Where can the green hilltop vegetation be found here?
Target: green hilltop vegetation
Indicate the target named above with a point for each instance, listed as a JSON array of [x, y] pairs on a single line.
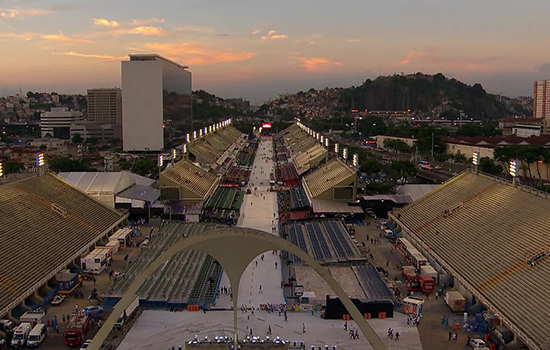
[[433, 94]]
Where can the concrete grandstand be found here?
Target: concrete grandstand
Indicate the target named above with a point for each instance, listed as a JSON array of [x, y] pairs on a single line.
[[47, 225], [492, 239]]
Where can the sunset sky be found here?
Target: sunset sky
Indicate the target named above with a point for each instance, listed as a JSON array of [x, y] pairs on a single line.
[[256, 49]]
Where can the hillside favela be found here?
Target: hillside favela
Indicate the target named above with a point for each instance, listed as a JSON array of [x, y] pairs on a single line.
[[189, 175]]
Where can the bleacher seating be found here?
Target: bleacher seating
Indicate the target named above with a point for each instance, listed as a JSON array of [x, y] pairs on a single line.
[[185, 276], [328, 176], [372, 283], [298, 199], [189, 176], [38, 240], [484, 230], [326, 240]]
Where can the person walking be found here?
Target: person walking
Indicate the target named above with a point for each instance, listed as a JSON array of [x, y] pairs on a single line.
[[269, 330], [346, 326], [396, 335], [303, 327]]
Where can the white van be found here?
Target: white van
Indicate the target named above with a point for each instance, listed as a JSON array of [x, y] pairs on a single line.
[[20, 335], [37, 335]]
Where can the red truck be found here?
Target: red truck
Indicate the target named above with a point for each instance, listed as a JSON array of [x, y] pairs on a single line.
[[426, 283], [76, 330]]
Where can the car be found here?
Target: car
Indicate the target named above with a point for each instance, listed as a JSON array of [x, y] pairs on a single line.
[[248, 191], [86, 277], [89, 310], [437, 167], [58, 299], [477, 344], [85, 344]]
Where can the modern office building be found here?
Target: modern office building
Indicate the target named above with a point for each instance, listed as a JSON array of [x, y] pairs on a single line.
[[102, 132], [105, 106], [156, 98], [541, 99], [57, 122]]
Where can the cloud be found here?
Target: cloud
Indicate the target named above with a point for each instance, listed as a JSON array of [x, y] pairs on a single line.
[[146, 30], [222, 34], [22, 13], [102, 22], [256, 32], [318, 64], [147, 21], [432, 59], [357, 40], [411, 55], [62, 37], [86, 55], [193, 54], [272, 35], [24, 36]]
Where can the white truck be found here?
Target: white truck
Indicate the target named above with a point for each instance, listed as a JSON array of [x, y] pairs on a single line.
[[127, 313], [32, 317], [95, 262]]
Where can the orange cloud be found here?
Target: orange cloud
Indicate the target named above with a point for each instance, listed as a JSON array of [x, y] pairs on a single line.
[[272, 35], [431, 59], [20, 13], [86, 55], [192, 54], [102, 22], [147, 21], [412, 55], [62, 37], [146, 30], [24, 36], [256, 32], [318, 64]]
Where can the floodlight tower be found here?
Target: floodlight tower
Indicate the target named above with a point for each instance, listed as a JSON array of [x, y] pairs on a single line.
[[40, 162], [475, 160], [513, 172]]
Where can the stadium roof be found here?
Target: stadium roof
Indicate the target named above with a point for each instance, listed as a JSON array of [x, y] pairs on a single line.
[[141, 192], [99, 182], [46, 224], [195, 182], [483, 231], [332, 174], [336, 206]]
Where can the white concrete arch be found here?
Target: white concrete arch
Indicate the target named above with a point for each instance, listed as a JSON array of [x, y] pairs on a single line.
[[234, 249]]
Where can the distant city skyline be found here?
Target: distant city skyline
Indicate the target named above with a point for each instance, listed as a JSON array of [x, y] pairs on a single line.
[[259, 49]]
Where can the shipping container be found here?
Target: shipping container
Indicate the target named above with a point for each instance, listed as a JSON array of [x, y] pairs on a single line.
[[455, 300]]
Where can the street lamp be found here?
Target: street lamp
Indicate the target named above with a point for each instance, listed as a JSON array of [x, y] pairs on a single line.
[[336, 149], [345, 154]]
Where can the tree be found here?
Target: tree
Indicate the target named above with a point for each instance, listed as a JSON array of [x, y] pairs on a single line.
[[12, 167], [488, 165], [144, 167], [67, 164], [92, 140], [42, 147], [460, 158], [370, 166], [77, 138], [125, 165], [404, 168]]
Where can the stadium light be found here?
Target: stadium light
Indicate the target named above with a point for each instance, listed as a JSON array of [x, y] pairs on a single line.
[[174, 154], [355, 160], [322, 139], [187, 138], [184, 148], [194, 134], [205, 130], [336, 148], [317, 135], [475, 158], [161, 160], [513, 168], [1, 170], [200, 132], [326, 142], [210, 129], [40, 159], [345, 153]]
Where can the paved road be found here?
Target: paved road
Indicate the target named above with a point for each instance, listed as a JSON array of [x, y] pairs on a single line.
[[259, 211]]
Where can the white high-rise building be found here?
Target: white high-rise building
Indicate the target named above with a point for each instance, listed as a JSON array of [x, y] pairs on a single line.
[[541, 99], [156, 97], [57, 122]]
